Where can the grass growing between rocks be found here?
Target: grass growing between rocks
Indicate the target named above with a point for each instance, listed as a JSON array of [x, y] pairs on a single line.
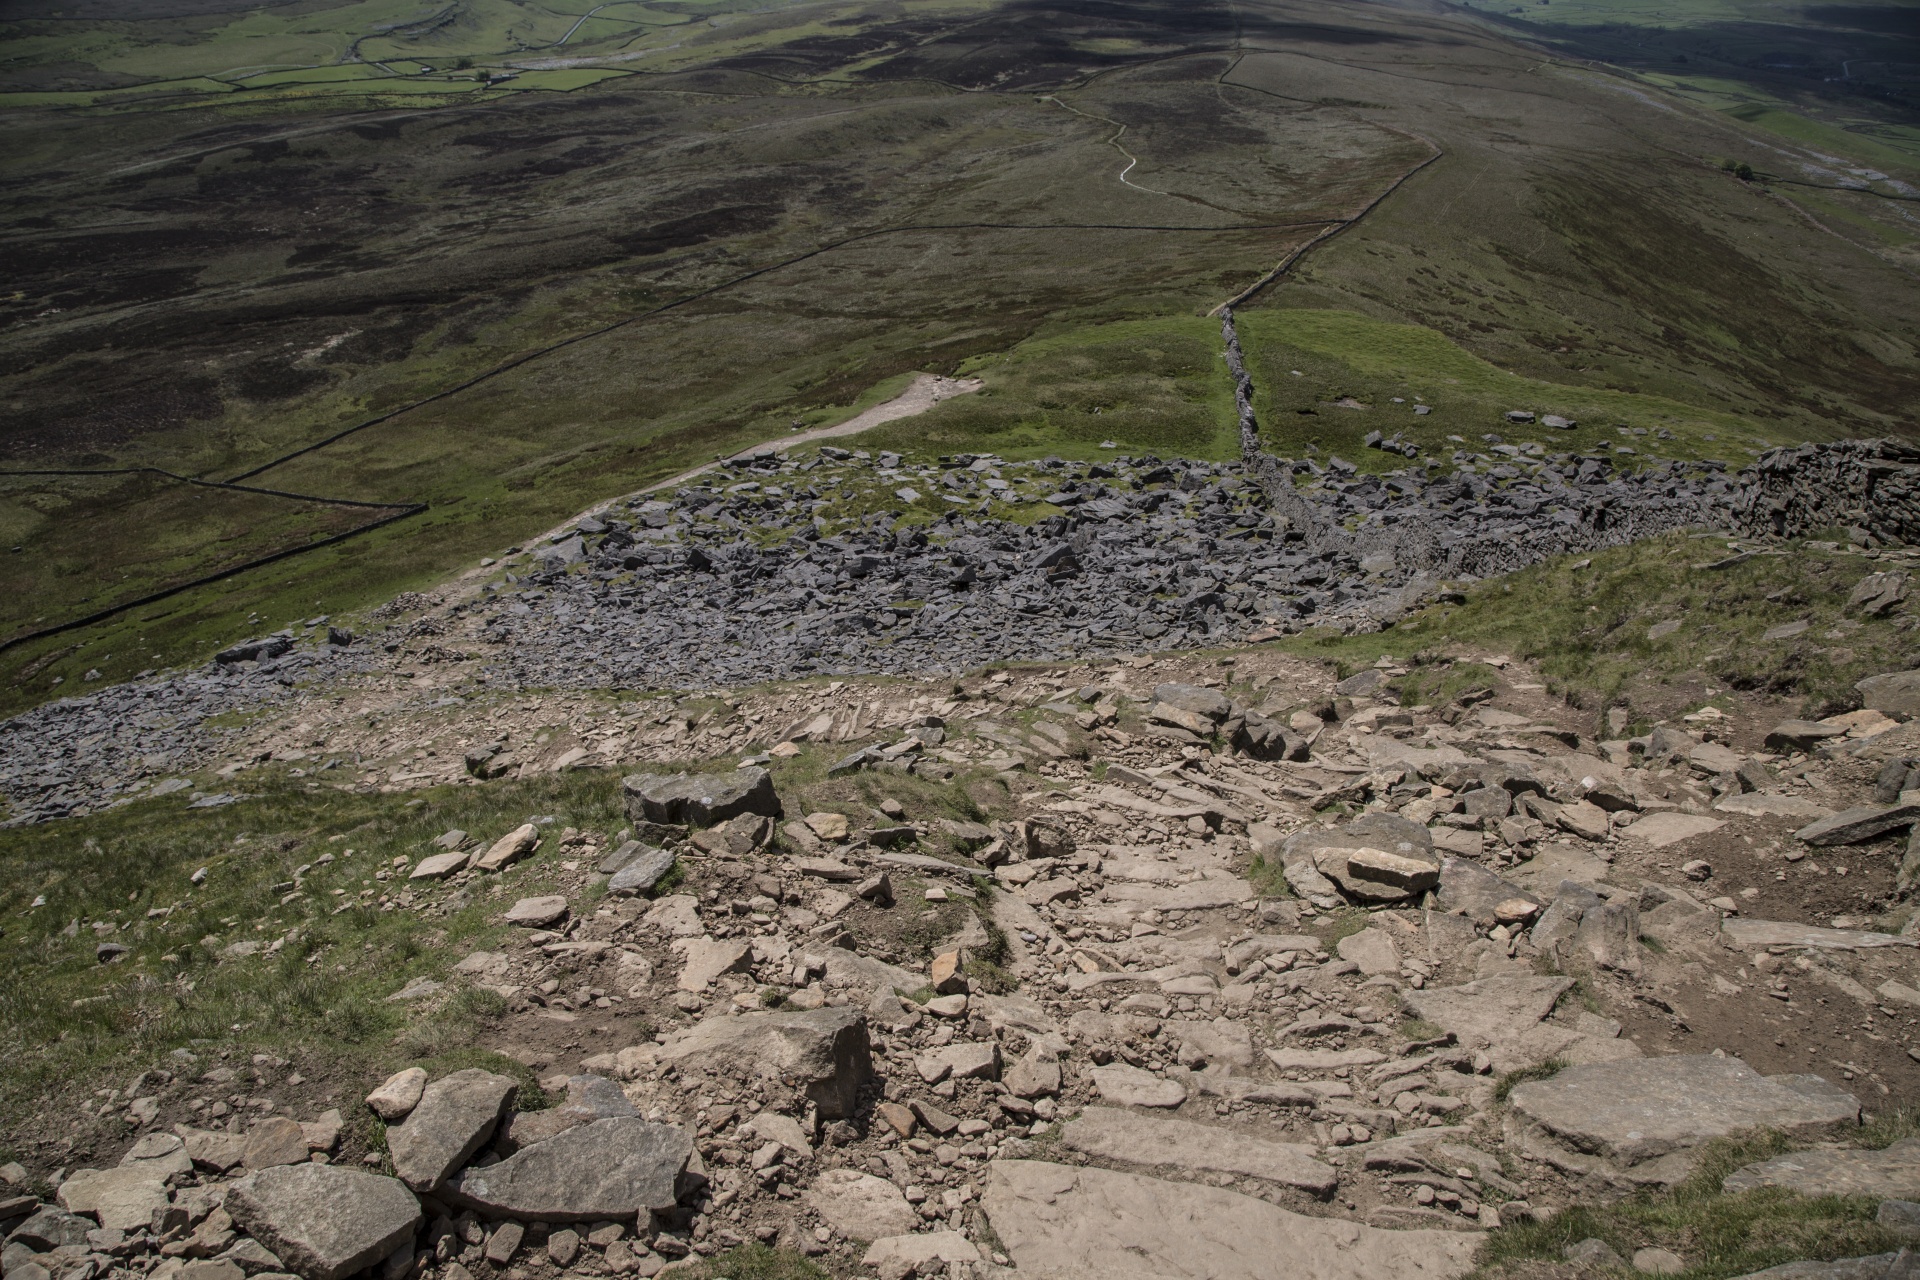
[[277, 950], [1585, 620], [1717, 1234], [758, 1262]]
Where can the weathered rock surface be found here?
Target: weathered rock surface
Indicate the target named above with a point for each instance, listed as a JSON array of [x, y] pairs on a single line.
[[608, 1170], [700, 800], [398, 1094], [860, 1205], [1904, 1265], [826, 1048], [123, 1198], [1637, 1109], [1503, 1015], [1066, 1223], [1859, 824], [322, 1221], [642, 871], [1131, 1087], [1892, 1174], [1137, 1138], [453, 1119]]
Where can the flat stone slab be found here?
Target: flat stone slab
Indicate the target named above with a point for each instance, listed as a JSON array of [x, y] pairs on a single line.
[[1065, 1223], [1904, 1265], [1662, 829], [861, 1206], [537, 913], [322, 1221], [1133, 1087], [453, 1119], [1635, 1109], [1758, 805], [1323, 1059], [124, 1197], [946, 1246], [1502, 1015], [1195, 895], [1134, 1137], [608, 1170], [1893, 1174], [1784, 933], [1374, 950], [643, 870], [708, 958], [1854, 826]]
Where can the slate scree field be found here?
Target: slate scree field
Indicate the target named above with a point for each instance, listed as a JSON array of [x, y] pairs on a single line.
[[1049, 639]]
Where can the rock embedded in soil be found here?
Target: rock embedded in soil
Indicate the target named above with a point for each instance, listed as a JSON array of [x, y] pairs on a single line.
[[453, 1119], [608, 1170], [1638, 1109], [398, 1094], [125, 1198], [1131, 1087], [1892, 1174], [1146, 1140], [641, 871], [861, 1206], [1064, 1221], [826, 1049], [701, 800], [324, 1222]]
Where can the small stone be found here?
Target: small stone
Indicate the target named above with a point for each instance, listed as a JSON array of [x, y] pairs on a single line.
[[537, 913], [898, 1118], [398, 1095], [831, 827], [1592, 1252], [275, 1140], [504, 1243], [563, 1247], [509, 849], [1658, 1262]]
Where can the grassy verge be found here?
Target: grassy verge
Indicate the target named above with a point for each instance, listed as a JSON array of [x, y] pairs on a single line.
[[1717, 1234], [282, 948], [1586, 620]]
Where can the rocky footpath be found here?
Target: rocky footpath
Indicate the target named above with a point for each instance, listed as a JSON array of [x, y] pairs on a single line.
[[1095, 1036]]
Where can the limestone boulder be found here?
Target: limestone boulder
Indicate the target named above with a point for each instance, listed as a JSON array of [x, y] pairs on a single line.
[[324, 1222], [608, 1170], [453, 1119], [700, 800], [1636, 1109], [827, 1049]]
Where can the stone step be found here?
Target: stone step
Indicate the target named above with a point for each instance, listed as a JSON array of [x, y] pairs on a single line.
[[1060, 1222]]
